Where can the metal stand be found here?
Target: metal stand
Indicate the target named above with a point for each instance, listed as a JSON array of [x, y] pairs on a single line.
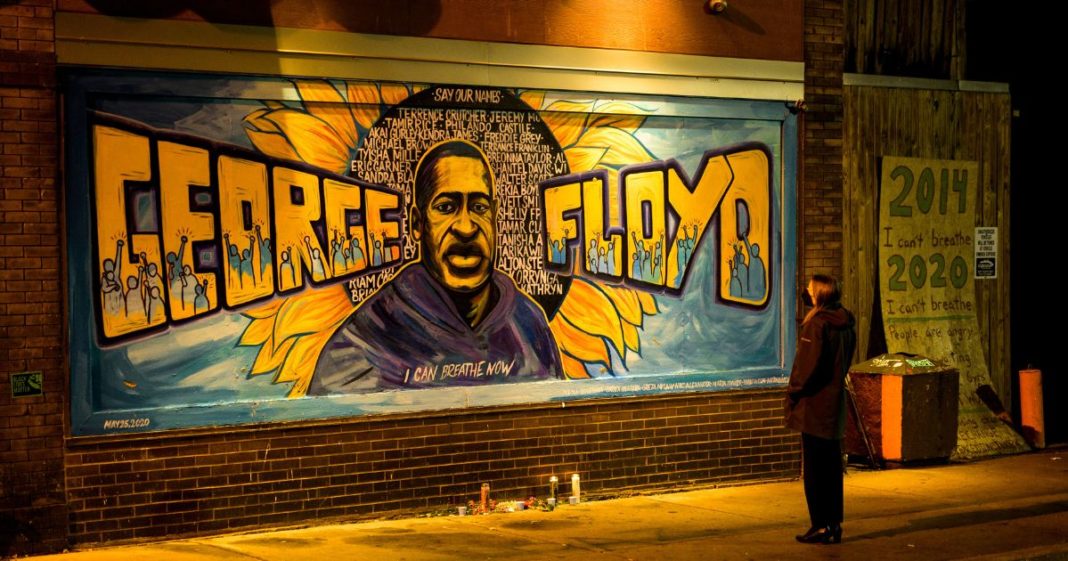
[[860, 422]]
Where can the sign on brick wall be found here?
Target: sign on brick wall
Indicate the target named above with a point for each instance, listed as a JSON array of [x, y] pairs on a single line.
[[264, 249], [27, 384]]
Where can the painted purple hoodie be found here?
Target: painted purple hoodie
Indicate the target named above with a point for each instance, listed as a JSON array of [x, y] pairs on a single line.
[[410, 335]]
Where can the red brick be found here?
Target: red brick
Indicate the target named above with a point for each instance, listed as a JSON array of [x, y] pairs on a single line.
[[17, 10], [37, 22]]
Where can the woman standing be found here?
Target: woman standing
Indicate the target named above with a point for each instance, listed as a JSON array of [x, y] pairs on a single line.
[[815, 404]]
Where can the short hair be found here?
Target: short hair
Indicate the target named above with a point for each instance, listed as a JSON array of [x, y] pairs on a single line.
[[425, 178]]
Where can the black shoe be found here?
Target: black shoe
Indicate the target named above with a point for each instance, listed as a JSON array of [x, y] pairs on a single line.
[[822, 534]]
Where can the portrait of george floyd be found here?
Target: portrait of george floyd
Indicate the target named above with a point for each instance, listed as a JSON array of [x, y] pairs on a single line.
[[450, 318]]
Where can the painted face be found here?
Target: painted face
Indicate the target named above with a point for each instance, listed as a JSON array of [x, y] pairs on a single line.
[[457, 229]]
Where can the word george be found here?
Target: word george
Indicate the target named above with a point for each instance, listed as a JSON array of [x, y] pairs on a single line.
[[185, 226]]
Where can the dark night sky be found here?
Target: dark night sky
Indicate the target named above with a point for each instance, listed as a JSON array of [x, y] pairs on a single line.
[[1007, 42]]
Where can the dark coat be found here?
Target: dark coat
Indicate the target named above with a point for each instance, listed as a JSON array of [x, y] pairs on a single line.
[[815, 400]]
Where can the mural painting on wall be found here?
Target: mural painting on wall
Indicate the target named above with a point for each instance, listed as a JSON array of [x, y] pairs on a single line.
[[927, 217], [348, 239]]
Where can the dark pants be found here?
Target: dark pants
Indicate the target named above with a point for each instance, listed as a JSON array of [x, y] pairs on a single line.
[[822, 465]]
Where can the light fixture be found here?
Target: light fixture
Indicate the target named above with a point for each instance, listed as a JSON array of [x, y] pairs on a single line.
[[715, 6]]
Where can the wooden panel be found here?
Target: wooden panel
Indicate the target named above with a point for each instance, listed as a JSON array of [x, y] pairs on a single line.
[[761, 29], [936, 125], [918, 38]]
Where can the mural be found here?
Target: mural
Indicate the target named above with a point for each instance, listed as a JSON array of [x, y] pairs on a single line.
[[266, 249]]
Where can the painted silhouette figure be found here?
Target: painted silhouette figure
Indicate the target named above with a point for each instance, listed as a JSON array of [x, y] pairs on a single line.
[[756, 273], [735, 288], [234, 257], [591, 257], [357, 253], [611, 257], [111, 282], [376, 252], [200, 301], [642, 256], [175, 262], [318, 270], [264, 245], [186, 274], [249, 255], [135, 304], [286, 266], [338, 262], [246, 266], [155, 304], [741, 268]]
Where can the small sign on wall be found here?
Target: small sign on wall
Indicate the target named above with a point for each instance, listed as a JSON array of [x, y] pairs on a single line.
[[986, 252], [26, 384]]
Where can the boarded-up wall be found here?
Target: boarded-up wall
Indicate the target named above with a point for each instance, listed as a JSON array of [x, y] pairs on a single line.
[[935, 124], [917, 38]]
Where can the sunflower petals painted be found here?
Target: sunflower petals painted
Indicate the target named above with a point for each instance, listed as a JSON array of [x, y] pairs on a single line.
[[566, 127], [577, 343], [631, 338], [619, 114], [300, 364], [573, 369], [272, 144], [624, 149], [313, 139], [312, 312], [270, 358], [588, 309], [571, 106], [649, 306], [628, 123], [626, 302], [259, 121], [393, 94], [533, 98], [257, 332], [584, 158], [266, 310], [364, 102], [324, 101]]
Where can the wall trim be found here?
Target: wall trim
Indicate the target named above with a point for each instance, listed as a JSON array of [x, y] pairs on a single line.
[[97, 40], [903, 82]]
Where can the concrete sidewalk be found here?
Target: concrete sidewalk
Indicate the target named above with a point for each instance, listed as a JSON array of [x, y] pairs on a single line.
[[1006, 508]]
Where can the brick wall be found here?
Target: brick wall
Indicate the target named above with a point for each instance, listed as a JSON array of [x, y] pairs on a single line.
[[207, 481], [820, 204], [33, 516], [137, 487]]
